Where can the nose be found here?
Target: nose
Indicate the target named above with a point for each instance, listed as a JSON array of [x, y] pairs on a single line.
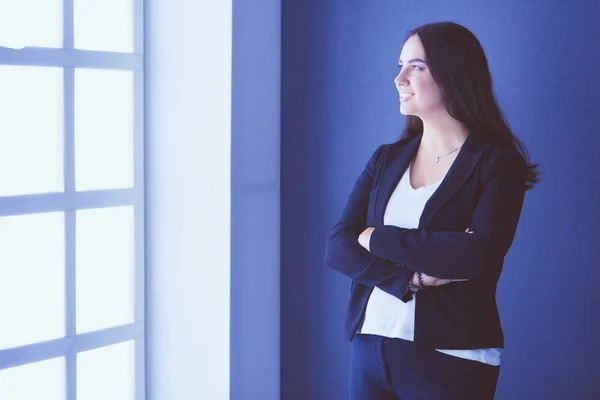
[[400, 79]]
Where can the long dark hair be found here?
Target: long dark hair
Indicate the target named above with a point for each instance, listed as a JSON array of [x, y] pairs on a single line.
[[459, 66]]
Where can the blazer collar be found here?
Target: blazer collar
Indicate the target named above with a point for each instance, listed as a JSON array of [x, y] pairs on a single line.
[[461, 169]]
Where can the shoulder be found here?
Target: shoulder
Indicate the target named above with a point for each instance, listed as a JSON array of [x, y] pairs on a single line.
[[382, 151], [387, 150], [494, 154], [401, 143], [498, 160]]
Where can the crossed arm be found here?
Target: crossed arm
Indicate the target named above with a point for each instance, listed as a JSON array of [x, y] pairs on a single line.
[[364, 240], [396, 253]]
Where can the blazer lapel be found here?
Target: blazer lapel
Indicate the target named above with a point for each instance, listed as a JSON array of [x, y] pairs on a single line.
[[392, 173], [461, 169]]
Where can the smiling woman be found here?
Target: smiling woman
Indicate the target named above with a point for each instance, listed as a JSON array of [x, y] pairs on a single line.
[[426, 228], [420, 94]]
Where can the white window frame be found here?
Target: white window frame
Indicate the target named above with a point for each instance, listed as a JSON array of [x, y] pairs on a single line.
[[70, 201]]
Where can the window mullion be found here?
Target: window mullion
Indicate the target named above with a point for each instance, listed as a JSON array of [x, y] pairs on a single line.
[[69, 177]]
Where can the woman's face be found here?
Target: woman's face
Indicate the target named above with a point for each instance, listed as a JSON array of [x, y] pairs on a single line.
[[419, 92]]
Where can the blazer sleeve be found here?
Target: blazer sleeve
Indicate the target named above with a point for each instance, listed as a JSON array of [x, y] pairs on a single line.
[[343, 252], [461, 255]]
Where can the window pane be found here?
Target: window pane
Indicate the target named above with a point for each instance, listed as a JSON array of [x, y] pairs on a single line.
[[41, 380], [105, 25], [31, 130], [35, 23], [32, 279], [105, 273], [106, 373], [103, 129]]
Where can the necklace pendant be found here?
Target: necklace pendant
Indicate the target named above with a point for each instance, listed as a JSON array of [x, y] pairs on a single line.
[[438, 160]]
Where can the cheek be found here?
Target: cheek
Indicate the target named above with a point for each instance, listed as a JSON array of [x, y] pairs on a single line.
[[431, 93]]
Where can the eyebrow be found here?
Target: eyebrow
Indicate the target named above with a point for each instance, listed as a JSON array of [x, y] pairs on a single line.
[[413, 60]]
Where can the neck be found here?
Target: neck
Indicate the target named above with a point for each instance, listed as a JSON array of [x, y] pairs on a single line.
[[443, 134]]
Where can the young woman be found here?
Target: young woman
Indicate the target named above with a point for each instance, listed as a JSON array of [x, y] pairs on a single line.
[[426, 228]]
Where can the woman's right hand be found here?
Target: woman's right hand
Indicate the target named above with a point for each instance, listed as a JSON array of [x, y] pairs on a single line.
[[430, 281]]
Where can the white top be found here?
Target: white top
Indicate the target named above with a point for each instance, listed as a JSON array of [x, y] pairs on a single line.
[[389, 316]]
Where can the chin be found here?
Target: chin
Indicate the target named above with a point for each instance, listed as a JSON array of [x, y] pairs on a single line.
[[406, 112]]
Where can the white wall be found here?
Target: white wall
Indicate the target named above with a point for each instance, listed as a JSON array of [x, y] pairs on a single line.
[[188, 137]]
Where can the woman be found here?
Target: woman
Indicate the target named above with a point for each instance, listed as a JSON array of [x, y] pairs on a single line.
[[426, 228]]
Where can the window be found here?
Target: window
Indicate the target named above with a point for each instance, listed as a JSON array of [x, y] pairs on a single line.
[[71, 200]]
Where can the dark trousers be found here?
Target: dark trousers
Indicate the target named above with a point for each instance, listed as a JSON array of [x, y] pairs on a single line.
[[391, 369]]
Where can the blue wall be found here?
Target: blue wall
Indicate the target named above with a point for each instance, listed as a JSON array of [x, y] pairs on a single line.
[[339, 103], [255, 223]]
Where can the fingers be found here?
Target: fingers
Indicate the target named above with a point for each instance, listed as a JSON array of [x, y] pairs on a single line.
[[433, 281]]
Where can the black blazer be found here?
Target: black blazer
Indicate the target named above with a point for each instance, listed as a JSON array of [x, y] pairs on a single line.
[[483, 190]]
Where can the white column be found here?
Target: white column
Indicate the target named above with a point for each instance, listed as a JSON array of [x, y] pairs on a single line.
[[188, 182]]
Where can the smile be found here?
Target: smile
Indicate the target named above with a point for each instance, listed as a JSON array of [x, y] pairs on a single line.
[[406, 96]]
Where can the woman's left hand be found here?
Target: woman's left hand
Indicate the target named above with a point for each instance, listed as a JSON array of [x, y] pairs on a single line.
[[365, 237]]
